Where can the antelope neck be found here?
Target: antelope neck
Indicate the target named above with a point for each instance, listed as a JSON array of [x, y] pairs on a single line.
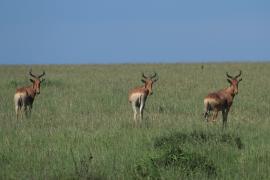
[[230, 90]]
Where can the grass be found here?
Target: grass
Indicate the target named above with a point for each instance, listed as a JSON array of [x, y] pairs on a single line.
[[81, 125]]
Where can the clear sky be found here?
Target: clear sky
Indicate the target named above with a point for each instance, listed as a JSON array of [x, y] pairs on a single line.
[[138, 31]]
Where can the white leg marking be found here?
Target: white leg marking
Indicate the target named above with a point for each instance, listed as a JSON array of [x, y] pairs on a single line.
[[134, 110], [141, 108]]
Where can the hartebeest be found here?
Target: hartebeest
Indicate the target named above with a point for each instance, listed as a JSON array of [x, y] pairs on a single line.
[[24, 97], [222, 99], [137, 96]]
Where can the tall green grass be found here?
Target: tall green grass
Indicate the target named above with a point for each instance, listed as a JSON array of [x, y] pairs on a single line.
[[81, 124]]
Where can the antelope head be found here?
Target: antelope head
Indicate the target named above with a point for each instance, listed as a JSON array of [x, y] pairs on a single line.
[[36, 81], [234, 81], [149, 81]]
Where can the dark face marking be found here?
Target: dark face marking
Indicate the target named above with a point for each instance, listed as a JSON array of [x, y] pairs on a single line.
[[36, 85], [234, 83]]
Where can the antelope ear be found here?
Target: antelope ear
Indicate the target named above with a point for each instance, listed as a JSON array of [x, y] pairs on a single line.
[[42, 80], [229, 81], [143, 81], [32, 80]]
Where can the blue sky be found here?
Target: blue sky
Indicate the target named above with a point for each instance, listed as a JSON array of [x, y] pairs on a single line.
[[141, 31]]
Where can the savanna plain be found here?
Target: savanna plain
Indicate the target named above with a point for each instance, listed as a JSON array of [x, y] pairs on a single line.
[[82, 124]]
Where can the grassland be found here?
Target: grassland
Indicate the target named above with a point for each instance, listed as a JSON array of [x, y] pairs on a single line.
[[81, 125]]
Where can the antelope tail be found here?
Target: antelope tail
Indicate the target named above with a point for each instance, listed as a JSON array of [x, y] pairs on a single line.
[[206, 108]]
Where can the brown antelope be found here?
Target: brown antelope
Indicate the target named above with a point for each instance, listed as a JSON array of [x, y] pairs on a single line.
[[222, 99], [24, 97], [137, 96]]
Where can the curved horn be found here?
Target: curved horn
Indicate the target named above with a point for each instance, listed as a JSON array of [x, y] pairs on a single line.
[[238, 74], [41, 74], [30, 73], [155, 74], [229, 75], [144, 76]]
